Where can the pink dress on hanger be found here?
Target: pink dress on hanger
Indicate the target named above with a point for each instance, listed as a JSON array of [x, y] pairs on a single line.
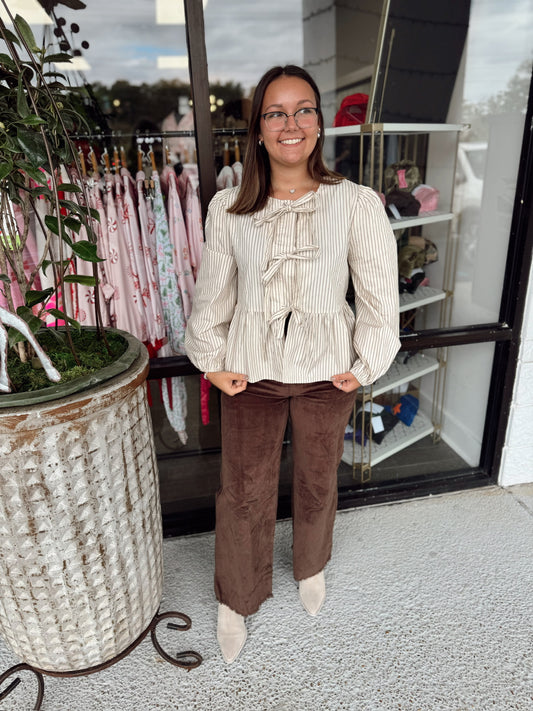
[[83, 296], [127, 295], [149, 252], [145, 259], [146, 290], [190, 204], [178, 236], [107, 290]]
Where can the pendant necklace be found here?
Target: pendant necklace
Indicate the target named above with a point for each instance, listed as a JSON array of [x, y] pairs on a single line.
[[292, 191]]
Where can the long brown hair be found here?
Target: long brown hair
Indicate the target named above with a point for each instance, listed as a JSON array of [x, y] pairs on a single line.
[[255, 184]]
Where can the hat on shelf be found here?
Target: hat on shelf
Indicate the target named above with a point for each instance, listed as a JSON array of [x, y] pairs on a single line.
[[427, 196], [352, 111], [403, 175], [401, 204]]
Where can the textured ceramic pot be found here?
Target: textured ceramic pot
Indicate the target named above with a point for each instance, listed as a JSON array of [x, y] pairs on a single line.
[[80, 522]]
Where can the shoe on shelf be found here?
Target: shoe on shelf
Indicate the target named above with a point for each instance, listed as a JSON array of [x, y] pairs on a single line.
[[231, 633], [313, 593]]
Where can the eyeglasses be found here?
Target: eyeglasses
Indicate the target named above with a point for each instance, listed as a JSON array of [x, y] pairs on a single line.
[[306, 117]]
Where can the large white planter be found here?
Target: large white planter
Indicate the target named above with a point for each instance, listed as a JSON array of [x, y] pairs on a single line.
[[80, 524]]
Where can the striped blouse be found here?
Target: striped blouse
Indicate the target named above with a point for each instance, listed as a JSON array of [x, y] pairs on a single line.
[[294, 257]]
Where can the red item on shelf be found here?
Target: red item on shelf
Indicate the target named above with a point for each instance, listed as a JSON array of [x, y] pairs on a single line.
[[352, 111]]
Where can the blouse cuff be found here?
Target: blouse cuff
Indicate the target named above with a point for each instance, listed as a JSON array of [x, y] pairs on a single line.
[[361, 374]]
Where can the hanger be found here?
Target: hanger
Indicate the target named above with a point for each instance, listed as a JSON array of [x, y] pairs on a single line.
[[82, 163], [237, 151], [140, 156], [94, 162], [152, 160], [123, 160], [226, 153], [105, 158], [167, 155], [116, 160]]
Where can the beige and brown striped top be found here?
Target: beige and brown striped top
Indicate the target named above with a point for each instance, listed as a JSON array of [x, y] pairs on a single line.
[[295, 257]]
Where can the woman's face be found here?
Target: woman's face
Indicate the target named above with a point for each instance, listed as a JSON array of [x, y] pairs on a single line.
[[291, 146]]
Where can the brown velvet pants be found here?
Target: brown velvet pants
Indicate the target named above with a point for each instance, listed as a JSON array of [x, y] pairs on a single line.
[[253, 427]]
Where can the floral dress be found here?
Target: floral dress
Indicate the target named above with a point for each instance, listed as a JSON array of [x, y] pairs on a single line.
[[174, 396]]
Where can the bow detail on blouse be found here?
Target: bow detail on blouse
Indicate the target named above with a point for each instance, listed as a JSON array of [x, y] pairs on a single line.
[[308, 251], [289, 240], [305, 204]]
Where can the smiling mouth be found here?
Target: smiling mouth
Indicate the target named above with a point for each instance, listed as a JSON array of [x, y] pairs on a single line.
[[291, 141]]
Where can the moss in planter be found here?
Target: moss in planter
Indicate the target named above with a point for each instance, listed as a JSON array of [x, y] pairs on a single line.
[[91, 351]]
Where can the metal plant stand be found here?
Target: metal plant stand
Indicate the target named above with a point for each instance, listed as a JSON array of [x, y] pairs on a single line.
[[185, 660]]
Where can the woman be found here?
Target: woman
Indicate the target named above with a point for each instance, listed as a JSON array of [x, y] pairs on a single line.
[[271, 329]]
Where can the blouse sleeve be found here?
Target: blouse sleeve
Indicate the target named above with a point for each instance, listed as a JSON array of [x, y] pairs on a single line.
[[373, 265], [215, 294]]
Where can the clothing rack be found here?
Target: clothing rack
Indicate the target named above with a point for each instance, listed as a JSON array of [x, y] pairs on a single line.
[[159, 136]]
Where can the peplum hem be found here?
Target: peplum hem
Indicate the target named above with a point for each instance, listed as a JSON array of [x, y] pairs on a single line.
[[255, 349]]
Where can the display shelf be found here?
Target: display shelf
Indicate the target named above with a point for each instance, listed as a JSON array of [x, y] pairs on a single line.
[[400, 372], [399, 438], [396, 128], [426, 219], [423, 296], [405, 369]]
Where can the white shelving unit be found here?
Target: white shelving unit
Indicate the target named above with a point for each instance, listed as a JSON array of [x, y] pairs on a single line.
[[397, 439], [402, 435], [397, 129], [423, 296], [426, 219], [419, 365], [402, 372]]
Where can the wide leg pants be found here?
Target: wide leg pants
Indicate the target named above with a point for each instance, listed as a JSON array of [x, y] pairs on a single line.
[[253, 426]]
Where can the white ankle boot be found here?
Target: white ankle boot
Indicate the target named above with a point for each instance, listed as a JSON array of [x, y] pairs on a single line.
[[313, 593], [231, 633]]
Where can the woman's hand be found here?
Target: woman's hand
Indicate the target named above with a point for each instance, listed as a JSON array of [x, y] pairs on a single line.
[[229, 383], [347, 382]]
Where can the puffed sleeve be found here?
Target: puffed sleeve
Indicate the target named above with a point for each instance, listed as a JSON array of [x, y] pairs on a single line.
[[373, 265], [216, 291]]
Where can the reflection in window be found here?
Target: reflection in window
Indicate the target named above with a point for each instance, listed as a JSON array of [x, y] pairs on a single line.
[[497, 75]]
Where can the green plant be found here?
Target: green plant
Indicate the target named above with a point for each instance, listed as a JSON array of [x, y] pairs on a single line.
[[38, 112]]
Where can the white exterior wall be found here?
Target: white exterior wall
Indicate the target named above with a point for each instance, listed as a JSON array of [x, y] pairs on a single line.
[[517, 457]]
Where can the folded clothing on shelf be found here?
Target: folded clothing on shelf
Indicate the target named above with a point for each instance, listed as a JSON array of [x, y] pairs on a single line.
[[405, 409], [378, 422]]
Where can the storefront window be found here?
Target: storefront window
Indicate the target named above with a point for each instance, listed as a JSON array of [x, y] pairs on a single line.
[[131, 57], [338, 47], [131, 60]]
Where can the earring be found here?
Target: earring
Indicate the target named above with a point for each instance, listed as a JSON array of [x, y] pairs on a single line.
[[260, 141], [318, 136]]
